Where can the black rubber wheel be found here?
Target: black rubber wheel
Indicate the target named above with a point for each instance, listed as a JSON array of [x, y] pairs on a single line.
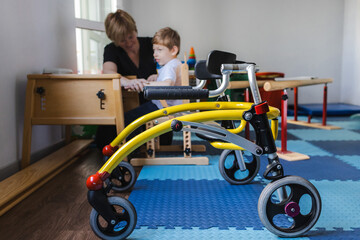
[[127, 219], [122, 178], [297, 213], [229, 167]]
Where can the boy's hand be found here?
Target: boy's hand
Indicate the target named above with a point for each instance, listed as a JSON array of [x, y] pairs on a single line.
[[152, 78]]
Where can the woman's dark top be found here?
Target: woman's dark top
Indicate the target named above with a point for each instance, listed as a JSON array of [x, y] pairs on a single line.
[[147, 66], [117, 55]]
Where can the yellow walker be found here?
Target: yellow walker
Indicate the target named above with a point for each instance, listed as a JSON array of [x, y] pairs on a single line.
[[291, 196]]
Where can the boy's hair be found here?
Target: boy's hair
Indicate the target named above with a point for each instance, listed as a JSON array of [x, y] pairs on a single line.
[[167, 37], [118, 25]]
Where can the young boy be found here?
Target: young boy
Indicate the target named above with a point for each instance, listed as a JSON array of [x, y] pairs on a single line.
[[166, 46]]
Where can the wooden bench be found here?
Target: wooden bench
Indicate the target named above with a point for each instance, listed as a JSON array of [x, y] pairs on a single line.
[[20, 185]]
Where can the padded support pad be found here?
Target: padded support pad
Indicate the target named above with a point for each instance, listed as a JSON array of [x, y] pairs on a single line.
[[174, 92], [216, 58], [202, 73]]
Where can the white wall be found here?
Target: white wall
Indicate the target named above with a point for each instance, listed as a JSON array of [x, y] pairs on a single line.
[[350, 81], [34, 34], [299, 38]]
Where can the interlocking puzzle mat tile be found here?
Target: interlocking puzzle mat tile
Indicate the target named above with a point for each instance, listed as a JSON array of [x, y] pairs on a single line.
[[319, 168], [353, 160], [185, 172], [288, 135], [304, 148], [177, 233], [325, 135], [351, 125], [340, 204], [339, 147], [210, 234]]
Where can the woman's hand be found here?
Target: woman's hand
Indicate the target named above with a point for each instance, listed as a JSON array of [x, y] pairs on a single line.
[[152, 78], [134, 84]]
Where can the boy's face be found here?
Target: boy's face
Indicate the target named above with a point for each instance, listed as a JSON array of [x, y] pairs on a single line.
[[163, 54]]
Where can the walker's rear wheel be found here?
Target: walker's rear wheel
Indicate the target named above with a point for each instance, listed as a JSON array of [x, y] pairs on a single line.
[[229, 167], [296, 213], [126, 220]]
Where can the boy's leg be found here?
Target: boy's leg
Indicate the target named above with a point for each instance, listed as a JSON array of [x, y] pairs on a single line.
[[105, 134], [141, 110]]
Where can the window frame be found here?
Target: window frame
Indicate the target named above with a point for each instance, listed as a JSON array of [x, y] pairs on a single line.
[[84, 56]]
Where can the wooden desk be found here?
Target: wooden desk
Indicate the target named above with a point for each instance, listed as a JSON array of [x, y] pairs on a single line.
[[70, 99], [53, 99], [282, 85]]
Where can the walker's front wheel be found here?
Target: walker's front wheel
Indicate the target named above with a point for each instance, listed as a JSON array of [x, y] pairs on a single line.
[[125, 223], [230, 170], [289, 207]]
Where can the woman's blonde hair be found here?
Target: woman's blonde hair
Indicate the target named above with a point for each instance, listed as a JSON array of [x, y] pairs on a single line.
[[167, 37], [118, 25]]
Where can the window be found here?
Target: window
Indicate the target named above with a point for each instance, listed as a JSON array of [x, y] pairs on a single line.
[[90, 33]]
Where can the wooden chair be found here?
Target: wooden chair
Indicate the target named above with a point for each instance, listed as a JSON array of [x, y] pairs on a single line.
[[187, 148]]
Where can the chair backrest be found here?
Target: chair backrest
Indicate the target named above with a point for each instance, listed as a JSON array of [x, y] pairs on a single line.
[[216, 58], [202, 73]]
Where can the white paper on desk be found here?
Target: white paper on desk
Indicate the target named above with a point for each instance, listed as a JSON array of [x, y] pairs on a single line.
[[296, 78]]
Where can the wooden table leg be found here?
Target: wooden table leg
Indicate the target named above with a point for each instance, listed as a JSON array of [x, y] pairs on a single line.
[[27, 131]]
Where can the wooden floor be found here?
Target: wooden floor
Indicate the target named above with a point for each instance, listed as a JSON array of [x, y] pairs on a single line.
[[59, 209]]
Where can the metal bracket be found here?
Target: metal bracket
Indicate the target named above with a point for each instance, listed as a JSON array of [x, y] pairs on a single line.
[[222, 134]]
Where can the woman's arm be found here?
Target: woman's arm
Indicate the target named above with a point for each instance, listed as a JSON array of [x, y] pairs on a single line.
[[109, 67]]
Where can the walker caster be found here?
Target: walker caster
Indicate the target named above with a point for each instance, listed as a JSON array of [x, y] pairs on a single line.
[[118, 228], [230, 170], [122, 178], [293, 213]]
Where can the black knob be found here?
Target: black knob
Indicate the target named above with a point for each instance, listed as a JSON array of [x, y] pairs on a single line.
[[150, 152], [40, 90], [176, 125], [284, 97], [100, 94], [187, 151]]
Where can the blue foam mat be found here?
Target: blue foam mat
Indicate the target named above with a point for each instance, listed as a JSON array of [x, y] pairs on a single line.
[[215, 204], [328, 168], [304, 148], [353, 160], [210, 234], [339, 204], [339, 147], [325, 135], [232, 233], [194, 202]]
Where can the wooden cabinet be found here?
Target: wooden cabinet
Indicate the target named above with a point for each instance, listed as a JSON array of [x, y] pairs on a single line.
[[70, 99]]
